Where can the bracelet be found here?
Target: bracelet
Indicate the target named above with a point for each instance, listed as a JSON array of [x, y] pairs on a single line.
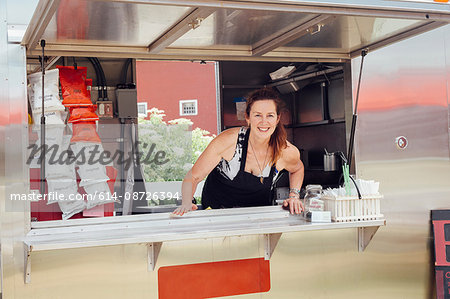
[[294, 197], [294, 190]]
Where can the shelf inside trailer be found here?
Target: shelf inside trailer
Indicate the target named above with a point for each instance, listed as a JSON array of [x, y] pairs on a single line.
[[154, 229]]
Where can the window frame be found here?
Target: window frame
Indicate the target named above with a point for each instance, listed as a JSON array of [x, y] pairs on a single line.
[[146, 109], [182, 102]]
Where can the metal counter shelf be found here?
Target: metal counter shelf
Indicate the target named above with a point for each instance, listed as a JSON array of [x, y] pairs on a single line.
[[154, 229]]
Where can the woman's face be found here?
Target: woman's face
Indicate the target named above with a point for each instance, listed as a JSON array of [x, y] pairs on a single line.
[[263, 118]]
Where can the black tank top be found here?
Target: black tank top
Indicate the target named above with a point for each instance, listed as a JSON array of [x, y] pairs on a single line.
[[229, 186]]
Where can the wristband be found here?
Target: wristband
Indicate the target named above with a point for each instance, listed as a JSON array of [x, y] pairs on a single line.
[[294, 190]]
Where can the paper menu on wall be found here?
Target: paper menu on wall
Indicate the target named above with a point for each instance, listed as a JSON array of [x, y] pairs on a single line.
[[241, 105]]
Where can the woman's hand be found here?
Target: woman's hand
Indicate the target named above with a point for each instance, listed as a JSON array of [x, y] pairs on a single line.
[[295, 205], [184, 208]]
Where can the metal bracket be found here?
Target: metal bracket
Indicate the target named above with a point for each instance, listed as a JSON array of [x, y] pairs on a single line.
[[153, 250], [270, 242], [27, 265], [365, 235]]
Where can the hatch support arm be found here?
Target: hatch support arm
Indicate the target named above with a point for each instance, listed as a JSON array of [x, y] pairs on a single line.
[[290, 33], [191, 20]]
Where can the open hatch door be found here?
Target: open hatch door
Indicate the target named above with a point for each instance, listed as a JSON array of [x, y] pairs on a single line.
[[289, 30]]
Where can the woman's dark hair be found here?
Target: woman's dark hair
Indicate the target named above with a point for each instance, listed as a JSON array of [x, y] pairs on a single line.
[[278, 139]]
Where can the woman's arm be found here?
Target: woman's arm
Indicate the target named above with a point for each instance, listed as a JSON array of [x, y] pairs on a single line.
[[294, 165], [210, 157]]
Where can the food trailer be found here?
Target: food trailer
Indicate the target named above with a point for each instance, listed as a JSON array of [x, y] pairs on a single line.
[[401, 140]]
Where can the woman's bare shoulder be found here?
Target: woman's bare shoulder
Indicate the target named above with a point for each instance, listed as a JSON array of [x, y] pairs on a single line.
[[290, 154], [290, 158], [231, 132], [228, 137], [291, 150]]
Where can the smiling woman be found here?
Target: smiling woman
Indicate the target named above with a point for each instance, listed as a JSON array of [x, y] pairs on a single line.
[[242, 164]]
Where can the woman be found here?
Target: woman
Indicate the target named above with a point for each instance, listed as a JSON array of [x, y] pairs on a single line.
[[242, 163]]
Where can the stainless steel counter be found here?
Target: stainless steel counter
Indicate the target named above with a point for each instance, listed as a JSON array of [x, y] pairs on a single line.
[[154, 229]]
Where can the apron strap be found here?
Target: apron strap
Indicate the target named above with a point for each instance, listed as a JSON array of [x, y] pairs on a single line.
[[244, 150]]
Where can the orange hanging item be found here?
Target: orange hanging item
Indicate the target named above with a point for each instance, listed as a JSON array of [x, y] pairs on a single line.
[[78, 114], [85, 132], [73, 85]]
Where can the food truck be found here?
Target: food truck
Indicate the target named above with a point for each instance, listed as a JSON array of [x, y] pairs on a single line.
[[385, 61]]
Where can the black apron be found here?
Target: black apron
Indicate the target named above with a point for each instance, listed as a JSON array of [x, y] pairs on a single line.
[[245, 190]]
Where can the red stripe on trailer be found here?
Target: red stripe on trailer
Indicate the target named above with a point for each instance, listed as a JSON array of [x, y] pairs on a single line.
[[215, 279]]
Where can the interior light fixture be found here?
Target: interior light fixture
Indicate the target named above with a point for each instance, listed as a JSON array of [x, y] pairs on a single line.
[[282, 72]]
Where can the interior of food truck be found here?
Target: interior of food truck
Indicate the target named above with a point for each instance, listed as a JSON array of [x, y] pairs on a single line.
[[311, 52], [314, 112]]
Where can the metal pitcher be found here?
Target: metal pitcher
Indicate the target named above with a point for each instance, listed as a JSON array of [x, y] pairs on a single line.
[[330, 161]]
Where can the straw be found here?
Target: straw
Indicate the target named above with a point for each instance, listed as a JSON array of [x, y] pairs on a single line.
[[346, 174]]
